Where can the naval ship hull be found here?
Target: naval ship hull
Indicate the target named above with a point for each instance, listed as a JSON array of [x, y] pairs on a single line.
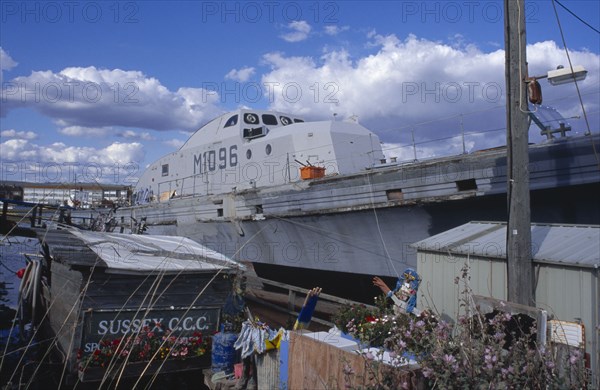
[[340, 231]]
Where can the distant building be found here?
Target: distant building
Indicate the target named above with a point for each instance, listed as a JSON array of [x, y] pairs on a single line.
[[84, 195], [11, 190]]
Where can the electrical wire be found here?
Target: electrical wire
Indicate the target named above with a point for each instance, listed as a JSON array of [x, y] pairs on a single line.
[[577, 17], [562, 36]]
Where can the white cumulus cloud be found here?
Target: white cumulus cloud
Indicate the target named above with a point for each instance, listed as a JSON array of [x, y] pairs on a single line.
[[174, 143], [299, 30], [61, 153], [417, 85], [6, 61], [81, 131], [335, 30], [139, 135], [11, 133], [91, 97], [241, 75]]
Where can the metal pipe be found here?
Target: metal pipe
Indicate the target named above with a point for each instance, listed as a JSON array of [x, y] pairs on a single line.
[[595, 352]]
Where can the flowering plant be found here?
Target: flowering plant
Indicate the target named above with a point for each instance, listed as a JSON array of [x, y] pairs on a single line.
[[370, 325], [146, 345], [497, 350]]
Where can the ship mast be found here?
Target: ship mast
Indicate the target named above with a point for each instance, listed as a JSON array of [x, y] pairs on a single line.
[[518, 234]]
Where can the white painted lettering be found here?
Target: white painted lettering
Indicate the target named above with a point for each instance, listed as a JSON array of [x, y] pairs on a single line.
[[201, 323], [186, 323], [173, 322], [102, 327]]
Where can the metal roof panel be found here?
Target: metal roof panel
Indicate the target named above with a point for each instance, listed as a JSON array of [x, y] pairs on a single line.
[[575, 245]]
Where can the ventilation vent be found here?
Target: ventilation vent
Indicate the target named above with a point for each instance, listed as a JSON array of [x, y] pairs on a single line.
[[466, 185], [394, 194]]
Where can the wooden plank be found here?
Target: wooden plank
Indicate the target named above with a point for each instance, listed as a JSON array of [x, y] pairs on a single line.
[[325, 296], [290, 312], [291, 300], [64, 314], [110, 291], [317, 365], [281, 299]]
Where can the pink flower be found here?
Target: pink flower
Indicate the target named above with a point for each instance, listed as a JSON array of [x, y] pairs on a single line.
[[575, 355], [427, 372], [449, 359]]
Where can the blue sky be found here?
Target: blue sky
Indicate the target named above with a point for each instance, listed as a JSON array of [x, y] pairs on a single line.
[[115, 85]]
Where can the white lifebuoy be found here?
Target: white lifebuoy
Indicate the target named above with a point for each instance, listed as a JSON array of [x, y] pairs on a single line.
[[251, 118]]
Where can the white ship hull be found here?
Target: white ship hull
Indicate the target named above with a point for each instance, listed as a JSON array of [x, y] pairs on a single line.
[[362, 224]]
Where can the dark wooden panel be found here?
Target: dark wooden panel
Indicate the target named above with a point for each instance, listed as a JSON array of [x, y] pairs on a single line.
[[114, 291]]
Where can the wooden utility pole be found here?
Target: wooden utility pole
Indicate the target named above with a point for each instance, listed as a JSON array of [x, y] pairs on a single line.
[[518, 233]]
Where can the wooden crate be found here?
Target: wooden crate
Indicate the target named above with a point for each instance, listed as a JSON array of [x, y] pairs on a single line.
[[311, 172]]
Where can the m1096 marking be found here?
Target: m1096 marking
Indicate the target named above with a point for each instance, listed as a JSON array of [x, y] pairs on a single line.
[[210, 160]]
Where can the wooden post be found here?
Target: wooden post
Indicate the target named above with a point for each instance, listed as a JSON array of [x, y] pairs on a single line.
[[518, 233], [291, 300], [34, 216]]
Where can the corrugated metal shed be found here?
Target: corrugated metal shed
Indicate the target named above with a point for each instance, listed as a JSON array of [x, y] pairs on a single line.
[[575, 245], [567, 272]]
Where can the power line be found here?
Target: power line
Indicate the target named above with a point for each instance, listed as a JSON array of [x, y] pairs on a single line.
[[577, 17]]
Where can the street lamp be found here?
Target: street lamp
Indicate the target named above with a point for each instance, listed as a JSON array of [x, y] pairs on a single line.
[[563, 75], [559, 76]]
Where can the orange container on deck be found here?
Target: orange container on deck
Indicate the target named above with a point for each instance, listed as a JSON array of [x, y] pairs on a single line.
[[311, 172]]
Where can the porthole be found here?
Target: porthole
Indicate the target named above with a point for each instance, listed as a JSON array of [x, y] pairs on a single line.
[[248, 154], [251, 119], [268, 149]]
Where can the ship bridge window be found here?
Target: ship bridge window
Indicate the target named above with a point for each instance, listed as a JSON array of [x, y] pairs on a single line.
[[165, 170], [298, 120], [251, 119], [285, 120], [269, 119], [231, 121]]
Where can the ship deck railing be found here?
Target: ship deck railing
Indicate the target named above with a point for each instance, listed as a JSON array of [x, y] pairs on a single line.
[[267, 297]]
